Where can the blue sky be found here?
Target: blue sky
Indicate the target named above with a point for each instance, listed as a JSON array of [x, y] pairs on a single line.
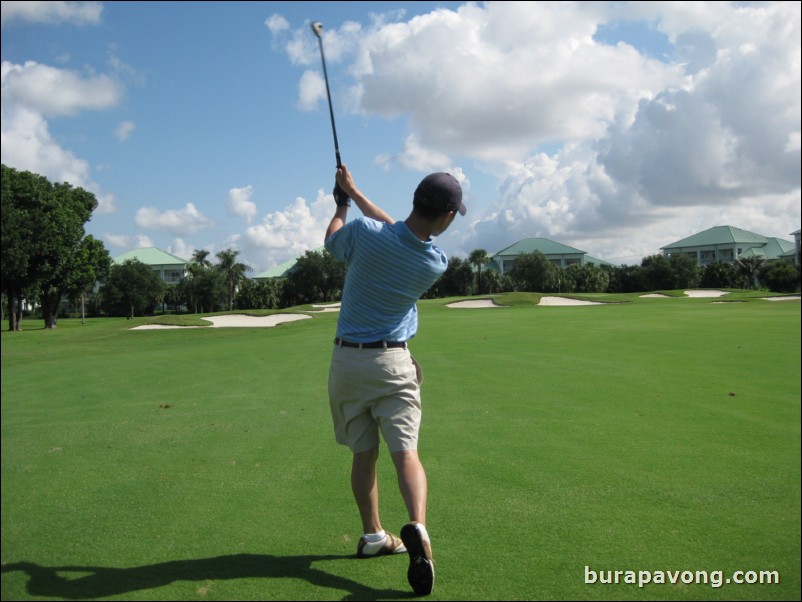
[[615, 128]]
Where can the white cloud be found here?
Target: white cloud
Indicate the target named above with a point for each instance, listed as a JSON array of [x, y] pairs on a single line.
[[277, 24], [311, 90], [239, 203], [51, 91], [180, 222], [417, 158], [29, 93], [496, 82], [127, 241], [286, 234], [591, 142], [181, 248], [78, 13], [124, 130]]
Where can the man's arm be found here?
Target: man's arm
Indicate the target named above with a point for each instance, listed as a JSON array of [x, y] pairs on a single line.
[[337, 222], [368, 208]]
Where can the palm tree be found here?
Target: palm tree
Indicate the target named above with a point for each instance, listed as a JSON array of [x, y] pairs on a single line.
[[479, 258], [751, 268], [199, 258], [233, 273]]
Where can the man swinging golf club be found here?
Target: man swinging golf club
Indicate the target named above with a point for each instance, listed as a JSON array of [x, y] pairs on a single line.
[[374, 382]]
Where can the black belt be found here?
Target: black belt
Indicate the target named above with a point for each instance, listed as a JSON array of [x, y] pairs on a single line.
[[374, 345]]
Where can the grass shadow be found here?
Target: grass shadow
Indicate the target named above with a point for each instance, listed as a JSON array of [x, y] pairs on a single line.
[[102, 582]]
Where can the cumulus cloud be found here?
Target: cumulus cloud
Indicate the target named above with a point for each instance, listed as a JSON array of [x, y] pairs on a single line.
[[124, 130], [594, 142], [288, 233], [182, 249], [77, 13], [277, 24], [416, 157], [311, 90], [52, 91], [30, 93], [127, 241], [179, 222], [239, 203]]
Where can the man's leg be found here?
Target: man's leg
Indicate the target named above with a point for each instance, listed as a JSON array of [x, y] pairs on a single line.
[[413, 484], [414, 489], [366, 489], [374, 541]]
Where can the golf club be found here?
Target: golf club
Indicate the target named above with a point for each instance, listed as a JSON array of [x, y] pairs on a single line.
[[317, 27]]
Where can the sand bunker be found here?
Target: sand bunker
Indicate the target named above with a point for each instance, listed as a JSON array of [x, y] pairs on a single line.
[[243, 321], [705, 293], [327, 307], [235, 321], [473, 303], [698, 293], [564, 301]]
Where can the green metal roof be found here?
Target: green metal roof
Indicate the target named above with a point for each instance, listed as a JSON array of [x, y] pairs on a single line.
[[596, 261], [278, 271], [151, 256], [544, 245], [753, 252], [778, 246], [720, 235], [281, 270]]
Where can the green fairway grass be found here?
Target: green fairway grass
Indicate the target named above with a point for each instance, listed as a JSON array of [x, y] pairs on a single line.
[[644, 434]]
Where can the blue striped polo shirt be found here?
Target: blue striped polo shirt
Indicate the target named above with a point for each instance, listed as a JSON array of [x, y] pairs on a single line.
[[389, 268]]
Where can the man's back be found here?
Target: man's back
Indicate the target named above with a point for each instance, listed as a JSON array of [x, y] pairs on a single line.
[[388, 270]]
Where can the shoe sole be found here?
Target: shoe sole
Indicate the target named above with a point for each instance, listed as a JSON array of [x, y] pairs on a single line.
[[421, 566]]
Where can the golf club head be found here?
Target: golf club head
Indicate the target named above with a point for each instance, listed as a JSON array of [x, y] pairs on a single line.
[[317, 27]]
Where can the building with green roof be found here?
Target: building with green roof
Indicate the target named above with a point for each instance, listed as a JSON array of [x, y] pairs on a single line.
[[559, 254], [794, 255], [727, 244], [281, 270], [171, 269]]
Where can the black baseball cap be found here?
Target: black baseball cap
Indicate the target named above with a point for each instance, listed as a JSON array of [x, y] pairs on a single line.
[[439, 191]]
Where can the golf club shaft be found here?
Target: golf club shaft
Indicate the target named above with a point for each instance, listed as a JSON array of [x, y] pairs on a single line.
[[328, 95]]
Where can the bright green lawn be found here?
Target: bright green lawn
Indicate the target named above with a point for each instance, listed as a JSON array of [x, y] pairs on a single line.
[[658, 434]]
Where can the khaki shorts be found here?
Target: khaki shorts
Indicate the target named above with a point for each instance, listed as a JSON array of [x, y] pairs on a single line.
[[373, 391]]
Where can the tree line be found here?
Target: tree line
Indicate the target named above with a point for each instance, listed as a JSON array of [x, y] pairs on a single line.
[[48, 259], [534, 272]]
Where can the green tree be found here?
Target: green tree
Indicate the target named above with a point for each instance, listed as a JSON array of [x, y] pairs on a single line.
[[259, 294], [60, 239], [203, 288], [42, 230], [132, 288], [456, 281], [588, 278], [199, 257], [533, 272], [749, 268], [479, 258], [625, 278], [781, 277], [233, 273], [316, 277], [91, 265], [719, 274], [686, 271], [20, 196], [657, 273], [494, 282]]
